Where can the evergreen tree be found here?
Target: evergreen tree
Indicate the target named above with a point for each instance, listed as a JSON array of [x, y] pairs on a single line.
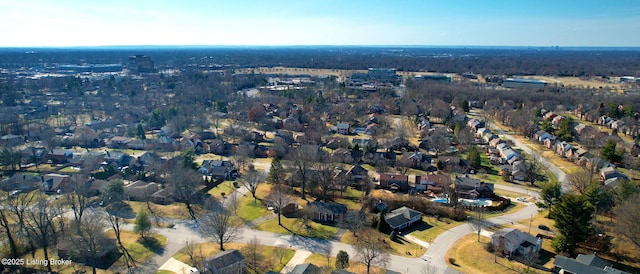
[[573, 215], [276, 172], [474, 157], [342, 260], [140, 133], [609, 152]]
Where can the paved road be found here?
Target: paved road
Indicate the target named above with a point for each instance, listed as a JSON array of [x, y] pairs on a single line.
[[562, 177], [435, 255]]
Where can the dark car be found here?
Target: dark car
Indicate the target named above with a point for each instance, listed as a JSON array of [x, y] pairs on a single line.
[[544, 227]]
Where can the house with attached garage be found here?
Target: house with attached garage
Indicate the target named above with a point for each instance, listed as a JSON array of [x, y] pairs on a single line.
[[401, 218], [514, 242]]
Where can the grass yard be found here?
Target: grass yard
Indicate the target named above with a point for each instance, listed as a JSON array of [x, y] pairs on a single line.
[[354, 266], [472, 256], [139, 249], [295, 226], [350, 198], [250, 210], [172, 211], [225, 187], [401, 247], [430, 228], [211, 248]]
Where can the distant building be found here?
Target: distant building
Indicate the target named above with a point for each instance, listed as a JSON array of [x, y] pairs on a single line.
[[98, 68], [523, 83], [434, 77], [141, 64]]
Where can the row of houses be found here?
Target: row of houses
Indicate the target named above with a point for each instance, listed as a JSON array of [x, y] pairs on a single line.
[[609, 122], [500, 152], [55, 183]]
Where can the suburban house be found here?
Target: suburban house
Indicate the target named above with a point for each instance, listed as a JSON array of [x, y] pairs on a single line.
[[140, 191], [70, 249], [307, 268], [398, 182], [119, 142], [514, 242], [22, 181], [225, 262], [327, 212], [59, 156], [55, 182], [343, 128], [610, 172], [435, 183], [591, 264], [468, 187], [401, 218], [357, 173], [219, 169], [11, 140]]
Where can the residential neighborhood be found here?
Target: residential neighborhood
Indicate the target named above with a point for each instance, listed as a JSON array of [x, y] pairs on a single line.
[[319, 160]]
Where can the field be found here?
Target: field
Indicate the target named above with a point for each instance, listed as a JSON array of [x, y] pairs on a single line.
[[578, 82]]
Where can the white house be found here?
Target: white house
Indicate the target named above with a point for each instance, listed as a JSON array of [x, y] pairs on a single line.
[[515, 242], [343, 128]]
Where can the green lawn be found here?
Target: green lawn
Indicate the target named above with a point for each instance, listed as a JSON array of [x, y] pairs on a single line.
[[250, 210], [350, 198], [401, 247], [295, 226], [210, 248], [225, 187], [430, 228]]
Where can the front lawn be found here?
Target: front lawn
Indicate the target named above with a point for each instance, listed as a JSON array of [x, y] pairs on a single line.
[[211, 248], [401, 246], [172, 211], [354, 266], [295, 226], [472, 256]]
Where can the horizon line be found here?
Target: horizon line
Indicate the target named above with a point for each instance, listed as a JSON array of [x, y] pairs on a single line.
[[319, 45]]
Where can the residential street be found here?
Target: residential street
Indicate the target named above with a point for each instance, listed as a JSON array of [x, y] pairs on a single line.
[[562, 177]]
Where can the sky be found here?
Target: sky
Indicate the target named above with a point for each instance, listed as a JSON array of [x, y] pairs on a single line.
[[61, 23]]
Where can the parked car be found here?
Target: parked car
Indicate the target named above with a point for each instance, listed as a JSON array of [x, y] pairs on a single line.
[[544, 227]]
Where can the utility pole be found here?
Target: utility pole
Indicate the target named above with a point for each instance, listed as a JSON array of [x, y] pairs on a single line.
[[530, 221]]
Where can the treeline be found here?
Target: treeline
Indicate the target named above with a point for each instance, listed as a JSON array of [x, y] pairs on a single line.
[[558, 62]]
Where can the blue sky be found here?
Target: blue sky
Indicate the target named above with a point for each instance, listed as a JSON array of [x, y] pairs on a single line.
[[320, 22]]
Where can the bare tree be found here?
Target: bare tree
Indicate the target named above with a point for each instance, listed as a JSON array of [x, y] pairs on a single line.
[[220, 225], [627, 214], [478, 221], [326, 252], [324, 173], [90, 239], [251, 180], [18, 206], [113, 214], [40, 219], [77, 199], [183, 183], [371, 250], [279, 199], [580, 181], [253, 252], [300, 162], [194, 251], [6, 222]]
